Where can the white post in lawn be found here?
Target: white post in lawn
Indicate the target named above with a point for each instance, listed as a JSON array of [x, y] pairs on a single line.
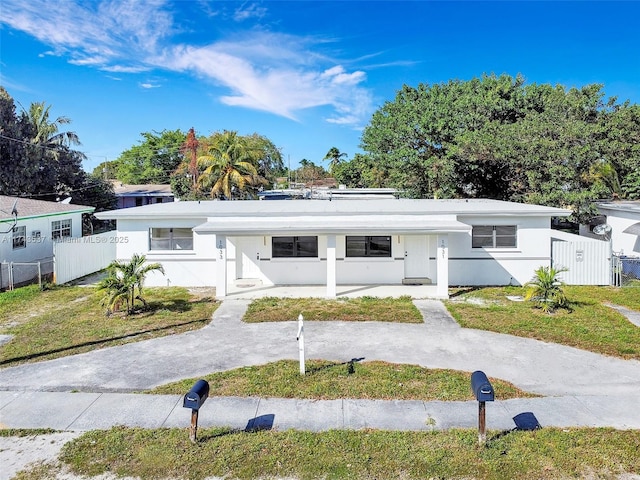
[[300, 339]]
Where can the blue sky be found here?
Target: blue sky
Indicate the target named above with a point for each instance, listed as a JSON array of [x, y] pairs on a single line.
[[306, 74]]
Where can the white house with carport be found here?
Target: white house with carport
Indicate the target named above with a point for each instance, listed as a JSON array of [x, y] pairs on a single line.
[[28, 230], [340, 242]]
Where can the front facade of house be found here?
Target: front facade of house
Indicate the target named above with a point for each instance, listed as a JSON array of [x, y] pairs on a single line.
[[28, 237], [340, 242]]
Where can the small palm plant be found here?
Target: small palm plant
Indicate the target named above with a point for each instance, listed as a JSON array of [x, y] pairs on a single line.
[[122, 281], [546, 289]]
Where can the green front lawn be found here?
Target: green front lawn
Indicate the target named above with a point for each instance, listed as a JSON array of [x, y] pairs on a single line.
[[590, 325], [272, 309], [325, 380], [549, 453], [70, 320]]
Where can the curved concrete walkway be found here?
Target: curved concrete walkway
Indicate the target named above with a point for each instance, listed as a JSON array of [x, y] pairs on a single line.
[[581, 388]]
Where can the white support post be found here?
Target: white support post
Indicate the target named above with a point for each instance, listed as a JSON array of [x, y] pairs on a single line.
[[300, 339], [221, 266], [331, 266], [442, 265]]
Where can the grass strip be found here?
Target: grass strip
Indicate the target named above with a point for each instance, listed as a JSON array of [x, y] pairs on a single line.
[[589, 325], [362, 309], [69, 320], [327, 380], [548, 453]]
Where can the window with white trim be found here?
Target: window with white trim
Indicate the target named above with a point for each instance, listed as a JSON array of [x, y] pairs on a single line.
[[288, 247], [170, 239], [368, 246], [19, 237], [494, 236], [60, 229]]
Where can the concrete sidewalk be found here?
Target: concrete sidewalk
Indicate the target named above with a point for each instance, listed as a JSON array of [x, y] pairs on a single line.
[[580, 388], [89, 411]]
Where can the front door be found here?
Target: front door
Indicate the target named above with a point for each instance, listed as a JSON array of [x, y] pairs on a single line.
[[416, 256], [247, 258]]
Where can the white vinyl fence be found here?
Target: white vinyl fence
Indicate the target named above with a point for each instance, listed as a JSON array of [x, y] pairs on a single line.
[[588, 261], [77, 257]]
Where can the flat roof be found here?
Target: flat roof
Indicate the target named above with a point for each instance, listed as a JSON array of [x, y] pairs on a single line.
[[315, 208], [629, 206]]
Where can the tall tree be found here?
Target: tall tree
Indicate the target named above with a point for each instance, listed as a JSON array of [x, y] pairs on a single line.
[[16, 170], [47, 133], [496, 137], [153, 160], [270, 164], [230, 167], [335, 157], [190, 153], [37, 158]]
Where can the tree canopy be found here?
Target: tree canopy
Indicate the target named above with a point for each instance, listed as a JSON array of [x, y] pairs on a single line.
[[154, 160], [496, 137], [38, 159], [226, 165]]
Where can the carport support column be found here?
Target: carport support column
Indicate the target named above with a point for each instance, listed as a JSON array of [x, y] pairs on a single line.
[[331, 266], [442, 265], [221, 266]]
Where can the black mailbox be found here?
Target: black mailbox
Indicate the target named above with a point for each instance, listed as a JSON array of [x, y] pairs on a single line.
[[197, 395], [481, 387]]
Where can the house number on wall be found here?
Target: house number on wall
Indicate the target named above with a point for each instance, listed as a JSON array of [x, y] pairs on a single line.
[[220, 249]]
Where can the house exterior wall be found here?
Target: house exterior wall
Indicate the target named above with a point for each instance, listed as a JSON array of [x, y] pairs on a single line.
[[467, 265], [193, 268], [623, 243], [38, 248], [500, 266]]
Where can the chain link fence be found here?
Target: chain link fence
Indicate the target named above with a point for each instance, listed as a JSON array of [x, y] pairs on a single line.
[[627, 270], [19, 274]]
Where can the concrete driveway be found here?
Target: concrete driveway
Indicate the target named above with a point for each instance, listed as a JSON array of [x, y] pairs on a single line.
[[544, 368]]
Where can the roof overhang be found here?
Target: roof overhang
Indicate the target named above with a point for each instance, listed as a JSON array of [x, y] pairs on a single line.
[[338, 224], [633, 229]]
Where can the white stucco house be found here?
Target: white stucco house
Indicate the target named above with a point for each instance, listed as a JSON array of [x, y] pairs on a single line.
[[624, 219], [339, 242], [28, 230]]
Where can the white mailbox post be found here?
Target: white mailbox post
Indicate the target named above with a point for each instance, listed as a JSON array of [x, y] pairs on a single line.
[[300, 339]]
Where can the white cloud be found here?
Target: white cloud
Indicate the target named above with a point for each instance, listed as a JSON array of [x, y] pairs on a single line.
[[278, 73], [148, 85], [251, 10]]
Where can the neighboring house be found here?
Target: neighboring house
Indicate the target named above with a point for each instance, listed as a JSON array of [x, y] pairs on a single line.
[[623, 220], [27, 236], [139, 195], [321, 242]]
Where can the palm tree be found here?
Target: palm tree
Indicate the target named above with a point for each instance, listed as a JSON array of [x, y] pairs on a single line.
[[47, 133], [546, 289], [123, 279], [335, 157], [230, 164]]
